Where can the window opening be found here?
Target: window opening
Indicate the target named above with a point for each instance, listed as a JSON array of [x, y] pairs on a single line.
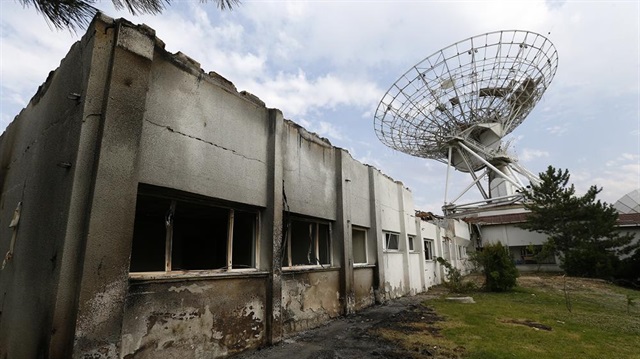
[[391, 241], [176, 235], [411, 239], [244, 234], [309, 243], [149, 233], [199, 237], [428, 249], [359, 245], [462, 251]]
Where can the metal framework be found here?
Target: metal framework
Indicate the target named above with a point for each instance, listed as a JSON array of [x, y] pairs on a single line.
[[456, 105]]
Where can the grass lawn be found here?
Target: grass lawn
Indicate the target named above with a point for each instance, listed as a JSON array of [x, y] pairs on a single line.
[[533, 322]]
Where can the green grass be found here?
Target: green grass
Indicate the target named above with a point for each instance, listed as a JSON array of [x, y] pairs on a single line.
[[598, 326]]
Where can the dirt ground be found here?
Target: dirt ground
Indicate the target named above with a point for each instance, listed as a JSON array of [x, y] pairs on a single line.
[[354, 336]]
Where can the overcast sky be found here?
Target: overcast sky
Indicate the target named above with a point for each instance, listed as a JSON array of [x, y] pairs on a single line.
[[327, 64]]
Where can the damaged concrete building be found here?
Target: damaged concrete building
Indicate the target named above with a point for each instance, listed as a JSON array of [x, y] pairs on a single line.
[[150, 210]]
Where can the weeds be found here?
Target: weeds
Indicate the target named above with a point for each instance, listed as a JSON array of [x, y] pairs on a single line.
[[454, 281]]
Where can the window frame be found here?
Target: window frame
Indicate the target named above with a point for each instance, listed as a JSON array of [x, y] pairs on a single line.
[[412, 245], [287, 253], [387, 241], [366, 246], [428, 250], [462, 252], [175, 200]]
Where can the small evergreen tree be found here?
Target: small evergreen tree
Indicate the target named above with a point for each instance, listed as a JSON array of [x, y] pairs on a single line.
[[581, 230], [500, 272]]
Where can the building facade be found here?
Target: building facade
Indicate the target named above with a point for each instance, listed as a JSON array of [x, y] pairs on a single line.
[[148, 209]]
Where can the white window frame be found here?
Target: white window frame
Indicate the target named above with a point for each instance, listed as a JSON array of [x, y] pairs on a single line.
[[462, 252], [387, 236], [412, 242], [366, 245], [429, 251]]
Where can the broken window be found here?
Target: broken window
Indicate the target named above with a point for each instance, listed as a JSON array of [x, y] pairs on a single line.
[[411, 239], [391, 241], [359, 245], [428, 249], [182, 235], [308, 243]]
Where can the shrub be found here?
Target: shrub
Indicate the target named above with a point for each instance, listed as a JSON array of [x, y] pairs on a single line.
[[500, 272], [454, 278]]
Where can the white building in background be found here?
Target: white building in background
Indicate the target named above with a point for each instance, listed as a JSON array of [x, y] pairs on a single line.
[[501, 225]]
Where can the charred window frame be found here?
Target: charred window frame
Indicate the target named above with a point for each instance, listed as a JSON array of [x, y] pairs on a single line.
[[391, 241], [180, 235], [308, 243]]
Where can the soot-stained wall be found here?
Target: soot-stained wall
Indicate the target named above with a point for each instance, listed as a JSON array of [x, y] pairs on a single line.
[[110, 170]]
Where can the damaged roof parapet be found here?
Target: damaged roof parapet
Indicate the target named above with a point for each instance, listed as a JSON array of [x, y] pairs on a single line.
[[192, 66], [309, 136], [182, 60], [253, 98]]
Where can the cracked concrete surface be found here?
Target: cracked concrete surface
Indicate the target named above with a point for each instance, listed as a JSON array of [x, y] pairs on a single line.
[[171, 129]]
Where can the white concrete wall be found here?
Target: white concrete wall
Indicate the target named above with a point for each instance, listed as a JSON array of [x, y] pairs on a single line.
[[431, 268], [415, 272], [395, 285], [432, 274], [389, 203], [409, 211]]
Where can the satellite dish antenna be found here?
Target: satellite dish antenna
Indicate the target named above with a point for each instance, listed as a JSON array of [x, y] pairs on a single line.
[[457, 105]]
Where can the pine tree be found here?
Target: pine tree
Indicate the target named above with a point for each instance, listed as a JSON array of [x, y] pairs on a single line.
[[580, 229]]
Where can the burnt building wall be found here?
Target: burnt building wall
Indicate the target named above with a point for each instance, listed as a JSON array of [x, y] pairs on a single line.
[[163, 213], [47, 158], [198, 130], [219, 317], [310, 299]]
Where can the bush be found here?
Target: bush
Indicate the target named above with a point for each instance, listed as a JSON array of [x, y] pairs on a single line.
[[500, 272], [454, 278]]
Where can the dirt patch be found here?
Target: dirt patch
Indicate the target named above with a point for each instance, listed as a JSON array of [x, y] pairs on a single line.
[[559, 282]]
